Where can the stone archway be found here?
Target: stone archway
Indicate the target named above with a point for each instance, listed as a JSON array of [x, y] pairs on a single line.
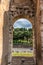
[[20, 17], [13, 15], [11, 28]]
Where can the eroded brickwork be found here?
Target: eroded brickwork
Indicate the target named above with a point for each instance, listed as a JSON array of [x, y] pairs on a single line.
[[4, 6]]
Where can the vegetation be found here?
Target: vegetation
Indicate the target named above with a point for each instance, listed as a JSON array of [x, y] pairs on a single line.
[[23, 54], [22, 36]]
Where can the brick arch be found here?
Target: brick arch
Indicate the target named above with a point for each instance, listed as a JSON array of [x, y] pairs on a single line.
[[22, 16], [14, 15], [12, 21], [36, 23], [31, 21]]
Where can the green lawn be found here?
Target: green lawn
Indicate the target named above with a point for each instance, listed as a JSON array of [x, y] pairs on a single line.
[[23, 54]]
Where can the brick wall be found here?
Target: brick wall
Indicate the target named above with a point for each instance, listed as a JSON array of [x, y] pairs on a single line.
[[4, 6]]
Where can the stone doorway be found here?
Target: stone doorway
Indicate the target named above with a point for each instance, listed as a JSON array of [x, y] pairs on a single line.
[[15, 12], [16, 48], [11, 37]]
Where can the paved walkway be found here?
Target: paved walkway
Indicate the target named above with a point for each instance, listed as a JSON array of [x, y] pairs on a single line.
[[23, 61], [23, 49]]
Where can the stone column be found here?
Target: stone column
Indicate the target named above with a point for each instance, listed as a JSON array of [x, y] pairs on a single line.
[[4, 6]]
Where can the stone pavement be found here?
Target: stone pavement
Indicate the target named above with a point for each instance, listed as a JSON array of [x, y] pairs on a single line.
[[23, 61]]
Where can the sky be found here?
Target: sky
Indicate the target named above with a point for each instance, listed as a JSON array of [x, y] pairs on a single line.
[[22, 23]]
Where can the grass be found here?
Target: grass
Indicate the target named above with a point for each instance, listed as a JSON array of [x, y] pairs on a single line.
[[23, 42], [23, 54]]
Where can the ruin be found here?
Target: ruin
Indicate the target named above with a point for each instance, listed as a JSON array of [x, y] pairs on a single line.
[[10, 11]]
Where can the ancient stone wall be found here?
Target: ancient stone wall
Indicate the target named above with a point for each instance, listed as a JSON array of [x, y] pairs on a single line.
[[4, 6]]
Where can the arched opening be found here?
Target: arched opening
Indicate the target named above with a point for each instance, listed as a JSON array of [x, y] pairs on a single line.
[[23, 40], [8, 38]]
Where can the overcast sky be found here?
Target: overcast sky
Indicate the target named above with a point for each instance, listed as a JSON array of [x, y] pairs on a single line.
[[22, 23]]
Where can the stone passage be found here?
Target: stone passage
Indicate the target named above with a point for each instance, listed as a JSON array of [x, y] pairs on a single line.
[[23, 61], [14, 8]]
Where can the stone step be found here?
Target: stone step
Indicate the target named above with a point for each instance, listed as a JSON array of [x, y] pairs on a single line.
[[22, 61]]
